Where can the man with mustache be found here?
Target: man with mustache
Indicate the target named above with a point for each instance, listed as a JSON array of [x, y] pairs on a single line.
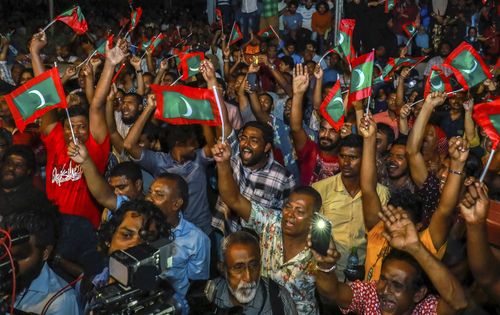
[[319, 160], [243, 287]]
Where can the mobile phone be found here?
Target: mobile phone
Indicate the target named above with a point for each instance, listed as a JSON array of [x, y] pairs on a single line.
[[321, 233], [252, 80]]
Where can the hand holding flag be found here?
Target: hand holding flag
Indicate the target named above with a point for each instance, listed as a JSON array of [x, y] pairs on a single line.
[[73, 18], [38, 41]]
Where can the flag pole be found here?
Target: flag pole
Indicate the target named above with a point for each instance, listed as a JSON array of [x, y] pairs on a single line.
[[409, 40], [367, 110], [447, 93], [49, 25], [324, 56], [219, 107], [117, 73], [231, 34], [67, 115], [492, 153], [176, 80], [87, 59], [275, 33], [418, 62]]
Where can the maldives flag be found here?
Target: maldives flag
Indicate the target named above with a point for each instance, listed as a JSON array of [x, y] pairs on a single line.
[[437, 82], [410, 29], [135, 17], [184, 105], [332, 107], [468, 66], [346, 29], [266, 33], [361, 77], [389, 5], [487, 115], [74, 19], [36, 97], [218, 17], [155, 41], [190, 64], [101, 50], [387, 72], [236, 34]]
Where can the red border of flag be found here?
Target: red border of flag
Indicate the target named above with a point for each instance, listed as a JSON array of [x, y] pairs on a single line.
[[364, 93], [183, 63], [198, 93], [444, 78], [18, 118], [481, 115], [322, 108]]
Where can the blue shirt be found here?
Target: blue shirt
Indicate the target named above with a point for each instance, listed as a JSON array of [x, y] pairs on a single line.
[[194, 172], [292, 22], [34, 298], [191, 260]]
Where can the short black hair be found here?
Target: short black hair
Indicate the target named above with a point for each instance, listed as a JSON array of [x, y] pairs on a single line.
[[138, 98], [6, 135], [401, 140], [74, 111], [322, 3], [182, 187], [387, 131], [153, 217], [178, 134], [310, 191], [420, 279], [351, 141], [25, 152], [473, 165], [128, 169], [240, 237], [409, 201], [268, 95], [151, 131], [267, 131], [287, 60], [40, 222]]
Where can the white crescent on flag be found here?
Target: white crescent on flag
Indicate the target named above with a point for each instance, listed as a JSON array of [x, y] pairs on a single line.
[[189, 110], [361, 78], [42, 99], [472, 69]]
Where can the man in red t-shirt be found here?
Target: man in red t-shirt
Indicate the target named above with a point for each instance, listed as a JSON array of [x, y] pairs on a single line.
[[317, 161], [65, 184]]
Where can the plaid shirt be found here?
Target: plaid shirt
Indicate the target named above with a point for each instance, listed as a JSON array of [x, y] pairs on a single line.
[[5, 73], [269, 8], [268, 186]]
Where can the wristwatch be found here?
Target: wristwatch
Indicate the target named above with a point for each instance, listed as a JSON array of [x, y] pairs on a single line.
[[139, 71], [332, 268]]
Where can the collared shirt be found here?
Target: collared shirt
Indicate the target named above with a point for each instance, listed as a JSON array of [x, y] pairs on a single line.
[[261, 304], [5, 73], [191, 260], [269, 186], [346, 214], [194, 172], [365, 301], [295, 274], [42, 289]]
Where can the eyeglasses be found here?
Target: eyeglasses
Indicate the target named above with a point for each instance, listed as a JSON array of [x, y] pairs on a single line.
[[240, 268]]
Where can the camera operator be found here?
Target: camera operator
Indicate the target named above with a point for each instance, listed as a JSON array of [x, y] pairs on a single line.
[[135, 222], [36, 281], [243, 285]]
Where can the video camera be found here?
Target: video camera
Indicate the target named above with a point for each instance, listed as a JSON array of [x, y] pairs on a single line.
[[138, 288]]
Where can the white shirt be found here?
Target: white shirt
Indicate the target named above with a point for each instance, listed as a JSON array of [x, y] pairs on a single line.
[[249, 6], [306, 16]]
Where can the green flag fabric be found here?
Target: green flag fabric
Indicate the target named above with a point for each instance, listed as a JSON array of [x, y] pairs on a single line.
[[37, 96], [361, 77], [74, 18], [190, 64], [332, 107], [184, 105]]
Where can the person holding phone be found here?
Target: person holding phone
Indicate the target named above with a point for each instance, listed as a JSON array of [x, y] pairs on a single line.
[[285, 257]]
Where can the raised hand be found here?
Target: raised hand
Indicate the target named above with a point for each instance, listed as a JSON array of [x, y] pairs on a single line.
[[208, 71], [116, 54], [318, 72], [405, 112], [367, 127], [468, 104], [95, 62], [221, 152], [253, 68], [331, 258], [77, 152], [135, 61], [400, 231], [435, 99], [300, 79], [87, 70], [458, 149], [475, 204], [112, 93], [164, 65], [38, 41], [70, 72], [345, 130], [226, 52], [405, 73]]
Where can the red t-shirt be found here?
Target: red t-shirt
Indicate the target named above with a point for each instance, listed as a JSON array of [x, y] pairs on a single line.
[[65, 185], [315, 166]]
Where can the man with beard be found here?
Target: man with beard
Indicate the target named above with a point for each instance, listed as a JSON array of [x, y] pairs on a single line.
[[343, 201], [184, 158], [396, 164], [17, 192], [243, 287], [317, 161], [444, 51], [403, 287], [260, 178], [36, 282], [283, 234]]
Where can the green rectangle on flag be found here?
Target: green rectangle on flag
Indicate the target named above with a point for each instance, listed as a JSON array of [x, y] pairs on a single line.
[[177, 105], [37, 97]]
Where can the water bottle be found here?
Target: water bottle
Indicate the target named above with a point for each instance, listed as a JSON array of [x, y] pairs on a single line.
[[353, 271]]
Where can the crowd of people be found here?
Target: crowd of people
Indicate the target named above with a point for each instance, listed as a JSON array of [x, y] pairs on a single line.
[[413, 228]]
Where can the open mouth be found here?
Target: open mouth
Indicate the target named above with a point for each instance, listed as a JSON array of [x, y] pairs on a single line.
[[246, 153]]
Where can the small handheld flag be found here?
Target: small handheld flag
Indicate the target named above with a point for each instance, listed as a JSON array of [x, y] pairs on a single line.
[[135, 17], [235, 34], [346, 29], [487, 115], [410, 29], [389, 5], [218, 18], [36, 97], [468, 66], [73, 18], [266, 33], [437, 82], [184, 105], [332, 107], [361, 77], [190, 64]]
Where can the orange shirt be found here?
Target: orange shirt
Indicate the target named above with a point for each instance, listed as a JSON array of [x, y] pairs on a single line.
[[377, 248], [321, 22]]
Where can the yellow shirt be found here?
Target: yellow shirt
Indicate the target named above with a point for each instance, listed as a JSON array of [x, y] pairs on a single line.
[[346, 214], [378, 248]]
